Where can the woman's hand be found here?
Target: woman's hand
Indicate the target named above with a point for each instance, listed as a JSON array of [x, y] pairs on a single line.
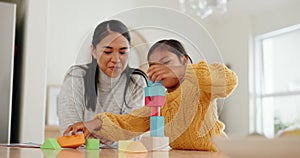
[[88, 128]]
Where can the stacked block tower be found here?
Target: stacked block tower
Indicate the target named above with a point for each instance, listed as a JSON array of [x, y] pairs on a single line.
[[155, 98]]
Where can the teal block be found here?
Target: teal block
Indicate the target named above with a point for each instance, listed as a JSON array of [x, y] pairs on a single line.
[[157, 126], [150, 83], [92, 144], [155, 91]]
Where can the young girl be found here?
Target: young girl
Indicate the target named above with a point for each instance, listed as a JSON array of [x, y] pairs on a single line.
[[190, 112]]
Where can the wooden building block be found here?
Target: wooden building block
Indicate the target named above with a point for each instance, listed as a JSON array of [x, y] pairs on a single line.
[[50, 143], [155, 91], [161, 153], [92, 154], [136, 146], [123, 144], [131, 146], [72, 141], [150, 83], [92, 144], [155, 101], [47, 153], [156, 143], [157, 126], [155, 111], [133, 155]]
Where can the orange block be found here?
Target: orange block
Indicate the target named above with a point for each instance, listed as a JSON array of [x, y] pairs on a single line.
[[72, 141]]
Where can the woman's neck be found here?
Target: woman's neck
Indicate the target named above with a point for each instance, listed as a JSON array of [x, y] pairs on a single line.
[[107, 82]]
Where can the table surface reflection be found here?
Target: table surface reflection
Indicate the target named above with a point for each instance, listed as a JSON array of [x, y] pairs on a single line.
[[16, 152]]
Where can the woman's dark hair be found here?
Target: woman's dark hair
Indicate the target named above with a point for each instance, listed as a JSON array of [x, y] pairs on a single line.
[[92, 72], [170, 45]]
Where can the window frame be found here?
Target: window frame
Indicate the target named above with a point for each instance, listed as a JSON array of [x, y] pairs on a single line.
[[257, 119]]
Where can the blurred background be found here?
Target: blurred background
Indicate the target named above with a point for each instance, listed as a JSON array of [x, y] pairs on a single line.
[[259, 40]]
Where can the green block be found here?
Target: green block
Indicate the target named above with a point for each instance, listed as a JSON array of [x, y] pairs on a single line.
[[50, 153], [51, 143], [92, 144], [92, 153]]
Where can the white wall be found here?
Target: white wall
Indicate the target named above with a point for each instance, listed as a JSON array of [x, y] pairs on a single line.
[[34, 74], [232, 38], [277, 19], [70, 22], [7, 41]]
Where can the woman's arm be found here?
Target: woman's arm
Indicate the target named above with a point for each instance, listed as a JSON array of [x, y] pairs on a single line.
[[135, 94], [70, 106]]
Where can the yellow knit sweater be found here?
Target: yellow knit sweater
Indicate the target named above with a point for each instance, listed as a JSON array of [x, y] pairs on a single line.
[[190, 111]]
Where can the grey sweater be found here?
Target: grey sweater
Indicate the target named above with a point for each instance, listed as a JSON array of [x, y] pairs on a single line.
[[71, 103]]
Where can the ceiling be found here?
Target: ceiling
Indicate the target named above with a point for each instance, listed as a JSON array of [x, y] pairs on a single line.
[[256, 7], [253, 6]]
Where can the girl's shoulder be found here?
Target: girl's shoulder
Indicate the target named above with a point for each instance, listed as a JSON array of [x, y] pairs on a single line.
[[203, 65]]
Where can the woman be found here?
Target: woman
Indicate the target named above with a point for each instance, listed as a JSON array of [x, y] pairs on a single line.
[[107, 84], [190, 112]]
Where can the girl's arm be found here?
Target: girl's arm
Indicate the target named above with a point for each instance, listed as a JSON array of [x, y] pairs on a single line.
[[215, 79], [126, 126], [114, 127]]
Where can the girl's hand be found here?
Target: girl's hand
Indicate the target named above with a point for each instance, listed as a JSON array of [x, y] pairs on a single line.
[[88, 128], [171, 76]]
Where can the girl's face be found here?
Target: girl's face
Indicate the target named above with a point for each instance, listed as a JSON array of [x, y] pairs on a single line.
[[175, 64], [112, 54]]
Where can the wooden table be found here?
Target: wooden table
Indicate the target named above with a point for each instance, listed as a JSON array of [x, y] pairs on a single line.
[[15, 152]]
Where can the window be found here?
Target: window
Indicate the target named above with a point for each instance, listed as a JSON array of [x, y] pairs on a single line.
[[277, 81]]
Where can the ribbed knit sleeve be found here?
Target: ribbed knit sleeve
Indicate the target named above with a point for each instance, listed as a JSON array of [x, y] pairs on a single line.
[[122, 127], [135, 94], [215, 79], [70, 107]]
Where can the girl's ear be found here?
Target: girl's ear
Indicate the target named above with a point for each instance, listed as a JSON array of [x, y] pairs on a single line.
[[93, 50], [185, 60]]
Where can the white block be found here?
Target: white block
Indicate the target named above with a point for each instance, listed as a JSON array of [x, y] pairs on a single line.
[[156, 143], [160, 154], [131, 146], [123, 144]]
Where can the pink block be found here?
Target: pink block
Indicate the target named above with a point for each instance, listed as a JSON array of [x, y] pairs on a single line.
[[155, 101], [147, 100], [155, 111]]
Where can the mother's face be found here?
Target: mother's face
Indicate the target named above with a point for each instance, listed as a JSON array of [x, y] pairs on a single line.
[[111, 54]]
